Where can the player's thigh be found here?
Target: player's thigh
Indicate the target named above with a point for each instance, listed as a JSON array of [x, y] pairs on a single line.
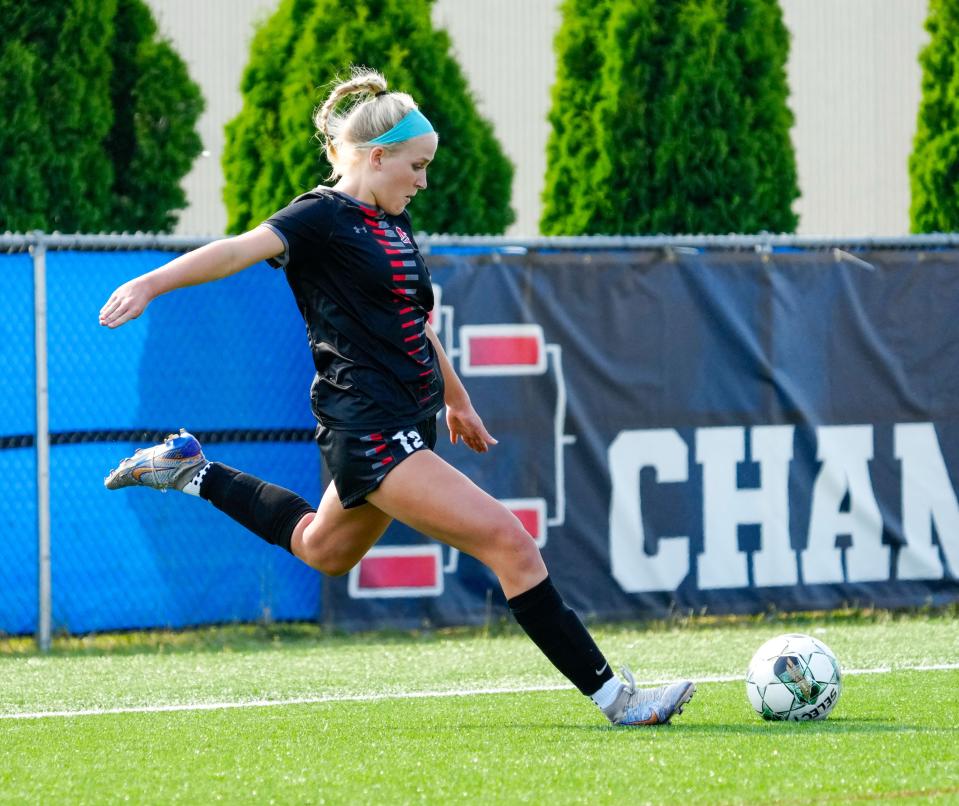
[[429, 495], [337, 538]]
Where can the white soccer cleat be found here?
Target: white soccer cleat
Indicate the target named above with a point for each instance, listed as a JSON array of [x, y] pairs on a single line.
[[171, 464], [649, 706]]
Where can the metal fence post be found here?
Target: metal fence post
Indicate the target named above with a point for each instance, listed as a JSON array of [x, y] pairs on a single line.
[[42, 444]]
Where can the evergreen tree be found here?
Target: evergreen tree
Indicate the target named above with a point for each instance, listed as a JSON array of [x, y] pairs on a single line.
[[61, 99], [153, 141], [765, 149], [569, 201], [934, 163], [23, 140], [624, 180], [700, 184], [272, 153], [689, 121], [255, 184], [94, 109]]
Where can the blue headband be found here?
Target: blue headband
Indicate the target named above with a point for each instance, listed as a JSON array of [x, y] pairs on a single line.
[[413, 124]]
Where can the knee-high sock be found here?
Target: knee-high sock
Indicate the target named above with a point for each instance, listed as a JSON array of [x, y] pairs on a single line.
[[561, 636], [269, 511]]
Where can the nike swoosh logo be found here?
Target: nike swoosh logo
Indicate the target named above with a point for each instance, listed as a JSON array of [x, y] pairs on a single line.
[[600, 671]]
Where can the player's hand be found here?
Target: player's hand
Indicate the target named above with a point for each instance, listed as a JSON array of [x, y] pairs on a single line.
[[126, 303], [465, 425]]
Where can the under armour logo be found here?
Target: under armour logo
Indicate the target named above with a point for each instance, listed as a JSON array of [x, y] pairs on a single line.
[[359, 230]]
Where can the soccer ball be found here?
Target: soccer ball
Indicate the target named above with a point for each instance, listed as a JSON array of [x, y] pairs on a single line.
[[793, 677]]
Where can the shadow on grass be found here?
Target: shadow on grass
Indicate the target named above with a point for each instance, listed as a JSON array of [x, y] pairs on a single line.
[[762, 730], [261, 637], [831, 727], [222, 638]]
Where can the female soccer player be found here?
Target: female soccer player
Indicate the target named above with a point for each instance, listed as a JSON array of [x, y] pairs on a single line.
[[381, 378]]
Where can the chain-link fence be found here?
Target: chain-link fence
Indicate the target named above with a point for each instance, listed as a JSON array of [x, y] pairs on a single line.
[[18, 508], [228, 361]]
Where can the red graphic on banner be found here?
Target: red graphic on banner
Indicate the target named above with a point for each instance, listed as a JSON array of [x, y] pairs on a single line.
[[389, 571], [501, 350], [488, 351], [398, 572]]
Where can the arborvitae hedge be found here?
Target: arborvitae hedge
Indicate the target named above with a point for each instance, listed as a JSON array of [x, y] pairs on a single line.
[[272, 154], [23, 194], [93, 105], [572, 148], [154, 140], [670, 118], [934, 163]]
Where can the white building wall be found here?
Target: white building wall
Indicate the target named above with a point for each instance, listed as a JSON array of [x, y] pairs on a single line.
[[213, 37], [505, 48], [855, 83], [853, 71]]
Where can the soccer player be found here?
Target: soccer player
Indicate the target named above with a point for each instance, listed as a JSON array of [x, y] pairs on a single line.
[[382, 376]]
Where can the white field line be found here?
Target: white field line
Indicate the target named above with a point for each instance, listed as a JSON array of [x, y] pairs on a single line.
[[410, 695]]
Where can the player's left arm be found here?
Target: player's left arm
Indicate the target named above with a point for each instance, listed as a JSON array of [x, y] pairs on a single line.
[[461, 418]]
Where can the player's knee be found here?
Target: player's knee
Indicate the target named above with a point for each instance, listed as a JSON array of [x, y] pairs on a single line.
[[325, 558], [511, 544], [334, 566], [320, 550]]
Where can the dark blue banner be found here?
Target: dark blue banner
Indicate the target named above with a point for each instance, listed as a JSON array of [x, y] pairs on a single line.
[[728, 431]]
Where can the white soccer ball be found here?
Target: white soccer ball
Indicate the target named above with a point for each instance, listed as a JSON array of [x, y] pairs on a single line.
[[793, 677]]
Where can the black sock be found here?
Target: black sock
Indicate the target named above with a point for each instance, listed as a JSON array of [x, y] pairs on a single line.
[[561, 636], [269, 511]]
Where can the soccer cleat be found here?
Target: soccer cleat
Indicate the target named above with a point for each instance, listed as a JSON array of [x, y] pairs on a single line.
[[649, 706], [172, 463]]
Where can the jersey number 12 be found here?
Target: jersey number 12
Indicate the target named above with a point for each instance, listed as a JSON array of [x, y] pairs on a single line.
[[410, 440]]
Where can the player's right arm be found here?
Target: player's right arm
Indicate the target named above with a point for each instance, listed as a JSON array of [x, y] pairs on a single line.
[[213, 261]]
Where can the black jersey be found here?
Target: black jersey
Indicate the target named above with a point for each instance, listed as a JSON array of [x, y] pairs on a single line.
[[364, 292]]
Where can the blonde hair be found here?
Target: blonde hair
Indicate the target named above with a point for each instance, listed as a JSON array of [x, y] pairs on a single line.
[[369, 115]]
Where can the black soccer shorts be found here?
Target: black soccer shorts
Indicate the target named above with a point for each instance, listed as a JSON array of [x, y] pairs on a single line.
[[360, 460]]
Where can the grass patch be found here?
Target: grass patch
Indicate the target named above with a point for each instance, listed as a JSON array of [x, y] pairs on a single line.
[[892, 735]]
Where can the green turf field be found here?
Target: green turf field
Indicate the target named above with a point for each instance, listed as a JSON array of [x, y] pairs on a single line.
[[290, 715]]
